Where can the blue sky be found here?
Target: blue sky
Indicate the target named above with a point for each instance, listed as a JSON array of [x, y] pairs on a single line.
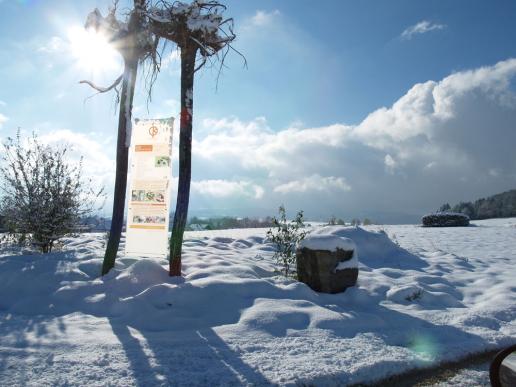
[[370, 108]]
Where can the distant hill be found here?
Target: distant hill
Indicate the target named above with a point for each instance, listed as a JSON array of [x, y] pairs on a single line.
[[502, 205]]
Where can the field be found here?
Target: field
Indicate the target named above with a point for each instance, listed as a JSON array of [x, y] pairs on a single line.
[[424, 296]]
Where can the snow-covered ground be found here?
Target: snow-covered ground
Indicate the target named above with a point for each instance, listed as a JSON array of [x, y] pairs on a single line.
[[424, 295]]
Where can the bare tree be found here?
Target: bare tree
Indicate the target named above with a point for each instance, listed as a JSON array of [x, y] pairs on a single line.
[[201, 33], [135, 43]]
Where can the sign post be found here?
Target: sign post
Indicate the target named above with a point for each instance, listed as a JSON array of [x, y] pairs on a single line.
[[149, 188]]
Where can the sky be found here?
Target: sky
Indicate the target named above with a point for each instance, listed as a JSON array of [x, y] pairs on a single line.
[[360, 109]]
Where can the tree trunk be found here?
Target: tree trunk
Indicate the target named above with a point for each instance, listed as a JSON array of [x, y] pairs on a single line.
[[185, 158], [122, 156]]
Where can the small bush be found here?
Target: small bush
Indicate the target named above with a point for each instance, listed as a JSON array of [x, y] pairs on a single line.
[[44, 196], [286, 236], [333, 221], [445, 219], [414, 296]]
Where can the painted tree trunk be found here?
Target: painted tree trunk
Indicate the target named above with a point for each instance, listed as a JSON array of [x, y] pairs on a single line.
[[185, 158], [122, 156]]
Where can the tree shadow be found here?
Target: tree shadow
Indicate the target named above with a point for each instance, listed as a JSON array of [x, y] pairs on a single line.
[[196, 357]]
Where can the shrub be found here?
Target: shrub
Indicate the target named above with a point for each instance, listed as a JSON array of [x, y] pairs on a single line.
[[333, 221], [286, 236], [44, 196], [445, 219], [367, 222], [355, 222]]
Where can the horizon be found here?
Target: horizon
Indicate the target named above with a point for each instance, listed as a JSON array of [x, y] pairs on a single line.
[[384, 112]]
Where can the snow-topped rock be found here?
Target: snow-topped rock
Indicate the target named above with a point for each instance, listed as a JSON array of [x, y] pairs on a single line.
[[328, 242], [326, 262]]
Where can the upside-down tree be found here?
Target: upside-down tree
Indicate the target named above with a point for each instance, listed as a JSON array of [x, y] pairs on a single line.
[[136, 43], [202, 34]]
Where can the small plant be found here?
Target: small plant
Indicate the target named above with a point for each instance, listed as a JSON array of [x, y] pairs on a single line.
[[286, 235], [414, 296]]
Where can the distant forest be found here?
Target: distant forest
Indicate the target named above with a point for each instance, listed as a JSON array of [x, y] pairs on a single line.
[[502, 205]]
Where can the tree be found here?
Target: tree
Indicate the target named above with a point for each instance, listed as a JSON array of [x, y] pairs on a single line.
[[367, 222], [355, 222], [196, 28], [334, 221], [44, 195], [445, 208], [136, 43]]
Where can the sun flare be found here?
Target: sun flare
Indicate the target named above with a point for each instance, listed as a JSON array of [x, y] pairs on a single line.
[[92, 51]]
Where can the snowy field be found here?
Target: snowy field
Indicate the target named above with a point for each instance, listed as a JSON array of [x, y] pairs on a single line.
[[424, 296]]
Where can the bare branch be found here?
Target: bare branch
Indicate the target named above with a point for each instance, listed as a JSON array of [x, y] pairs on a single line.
[[101, 89]]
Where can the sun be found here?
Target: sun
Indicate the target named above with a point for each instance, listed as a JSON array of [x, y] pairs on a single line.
[[92, 51]]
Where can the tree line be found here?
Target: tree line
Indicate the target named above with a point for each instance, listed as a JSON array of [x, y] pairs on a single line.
[[502, 205]]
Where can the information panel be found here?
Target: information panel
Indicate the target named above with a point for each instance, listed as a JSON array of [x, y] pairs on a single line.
[[149, 188]]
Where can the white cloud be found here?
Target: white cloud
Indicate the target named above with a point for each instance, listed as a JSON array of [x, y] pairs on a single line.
[[421, 28], [429, 113], [254, 146], [225, 189], [3, 119], [450, 133], [262, 18], [314, 183]]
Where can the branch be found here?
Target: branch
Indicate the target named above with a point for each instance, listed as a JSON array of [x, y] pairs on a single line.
[[101, 89]]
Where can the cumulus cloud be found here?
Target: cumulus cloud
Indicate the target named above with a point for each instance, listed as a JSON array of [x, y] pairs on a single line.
[[421, 28], [224, 188], [451, 134], [314, 183], [455, 120]]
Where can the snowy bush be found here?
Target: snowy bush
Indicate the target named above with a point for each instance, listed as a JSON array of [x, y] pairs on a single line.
[[286, 235], [445, 219], [43, 195]]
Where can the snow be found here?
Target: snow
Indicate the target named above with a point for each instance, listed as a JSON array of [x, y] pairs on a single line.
[[424, 296], [207, 23], [327, 242]]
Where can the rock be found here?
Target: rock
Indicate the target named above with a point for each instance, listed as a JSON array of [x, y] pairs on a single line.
[[445, 219], [328, 271]]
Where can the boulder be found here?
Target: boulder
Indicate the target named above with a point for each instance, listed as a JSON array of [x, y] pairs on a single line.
[[327, 263], [445, 219]]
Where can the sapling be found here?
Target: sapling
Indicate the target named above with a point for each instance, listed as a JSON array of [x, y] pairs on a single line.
[[286, 236]]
